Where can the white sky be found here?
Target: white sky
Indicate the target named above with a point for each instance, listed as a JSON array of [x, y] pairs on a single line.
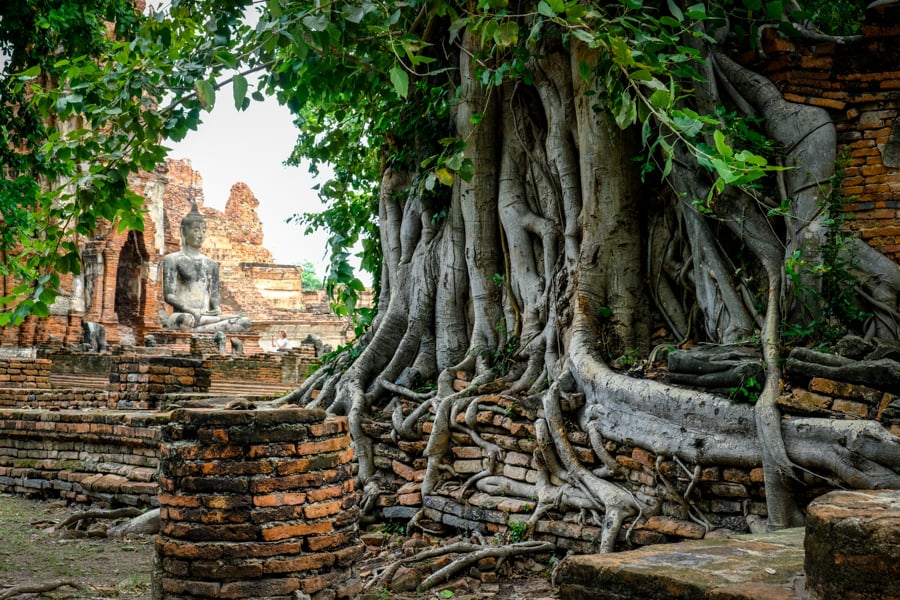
[[250, 146]]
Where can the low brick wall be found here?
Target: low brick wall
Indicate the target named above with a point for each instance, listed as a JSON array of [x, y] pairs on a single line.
[[289, 367], [820, 397], [84, 457], [724, 495], [30, 373], [144, 382], [257, 504]]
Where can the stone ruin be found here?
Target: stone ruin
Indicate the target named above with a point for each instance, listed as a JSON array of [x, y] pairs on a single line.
[[261, 503], [119, 292]]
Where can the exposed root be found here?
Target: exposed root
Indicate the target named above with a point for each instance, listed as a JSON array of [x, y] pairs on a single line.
[[529, 547], [37, 588], [684, 499], [116, 513], [469, 554]]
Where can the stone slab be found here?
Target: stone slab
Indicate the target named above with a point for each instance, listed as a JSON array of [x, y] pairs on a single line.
[[744, 567]]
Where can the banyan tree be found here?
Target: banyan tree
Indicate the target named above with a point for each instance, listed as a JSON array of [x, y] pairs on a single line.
[[551, 194]]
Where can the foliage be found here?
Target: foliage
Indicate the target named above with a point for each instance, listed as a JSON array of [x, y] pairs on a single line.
[[371, 85], [309, 279], [842, 313], [517, 530], [748, 391]]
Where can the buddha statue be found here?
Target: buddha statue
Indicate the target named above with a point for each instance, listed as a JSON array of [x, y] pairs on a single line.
[[191, 284]]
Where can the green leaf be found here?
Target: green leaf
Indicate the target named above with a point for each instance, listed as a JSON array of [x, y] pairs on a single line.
[[206, 93], [585, 36], [676, 12], [558, 6], [584, 70], [467, 170], [660, 99], [627, 112], [226, 58], [30, 73], [316, 22], [722, 146], [400, 80], [696, 12], [239, 90], [40, 310], [507, 34]]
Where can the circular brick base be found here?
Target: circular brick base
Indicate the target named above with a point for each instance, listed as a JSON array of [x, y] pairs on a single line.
[[852, 545], [257, 504]]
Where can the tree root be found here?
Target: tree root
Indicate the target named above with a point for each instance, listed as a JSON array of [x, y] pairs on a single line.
[[469, 553], [37, 588], [116, 513]]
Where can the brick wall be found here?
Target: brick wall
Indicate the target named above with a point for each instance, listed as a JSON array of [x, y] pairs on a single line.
[[257, 505], [24, 373], [858, 82], [83, 457]]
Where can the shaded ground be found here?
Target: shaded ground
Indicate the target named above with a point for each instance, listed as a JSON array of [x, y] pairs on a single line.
[[32, 552]]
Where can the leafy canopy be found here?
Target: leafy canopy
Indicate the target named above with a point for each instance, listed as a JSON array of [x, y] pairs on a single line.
[[92, 91]]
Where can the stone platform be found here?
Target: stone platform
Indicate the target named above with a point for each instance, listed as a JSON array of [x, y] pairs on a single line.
[[849, 551], [745, 567]]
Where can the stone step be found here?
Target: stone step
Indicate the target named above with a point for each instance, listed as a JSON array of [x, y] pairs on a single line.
[[79, 381], [848, 550], [249, 388], [227, 388], [743, 567]]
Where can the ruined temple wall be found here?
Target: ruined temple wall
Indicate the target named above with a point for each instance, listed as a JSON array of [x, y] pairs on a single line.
[[232, 237], [858, 83], [95, 455], [80, 456]]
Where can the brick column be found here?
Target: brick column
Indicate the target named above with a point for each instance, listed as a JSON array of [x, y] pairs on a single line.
[[257, 504], [851, 543]]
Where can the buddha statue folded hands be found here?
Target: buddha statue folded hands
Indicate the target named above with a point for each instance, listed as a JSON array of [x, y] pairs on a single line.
[[191, 284]]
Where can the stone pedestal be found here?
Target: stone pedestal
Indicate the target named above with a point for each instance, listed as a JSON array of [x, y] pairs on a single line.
[[143, 382], [179, 342], [853, 544], [257, 504]]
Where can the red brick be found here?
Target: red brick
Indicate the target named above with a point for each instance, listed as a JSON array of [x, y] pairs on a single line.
[[299, 564], [323, 509], [281, 532], [320, 446], [262, 588], [287, 499]]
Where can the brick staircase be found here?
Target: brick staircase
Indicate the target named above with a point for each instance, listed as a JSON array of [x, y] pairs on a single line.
[[218, 387]]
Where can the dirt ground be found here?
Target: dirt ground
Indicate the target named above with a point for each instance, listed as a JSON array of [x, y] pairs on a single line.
[[33, 552]]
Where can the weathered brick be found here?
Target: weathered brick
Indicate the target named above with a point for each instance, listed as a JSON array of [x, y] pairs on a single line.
[[299, 564], [322, 509], [290, 530]]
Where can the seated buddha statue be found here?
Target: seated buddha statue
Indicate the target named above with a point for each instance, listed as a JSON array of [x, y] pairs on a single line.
[[191, 284]]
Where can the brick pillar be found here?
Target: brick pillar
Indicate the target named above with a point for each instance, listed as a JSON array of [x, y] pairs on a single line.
[[108, 317], [143, 382], [257, 504], [851, 545]]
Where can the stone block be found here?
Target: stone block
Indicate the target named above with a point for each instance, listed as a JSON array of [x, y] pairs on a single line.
[[852, 539]]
